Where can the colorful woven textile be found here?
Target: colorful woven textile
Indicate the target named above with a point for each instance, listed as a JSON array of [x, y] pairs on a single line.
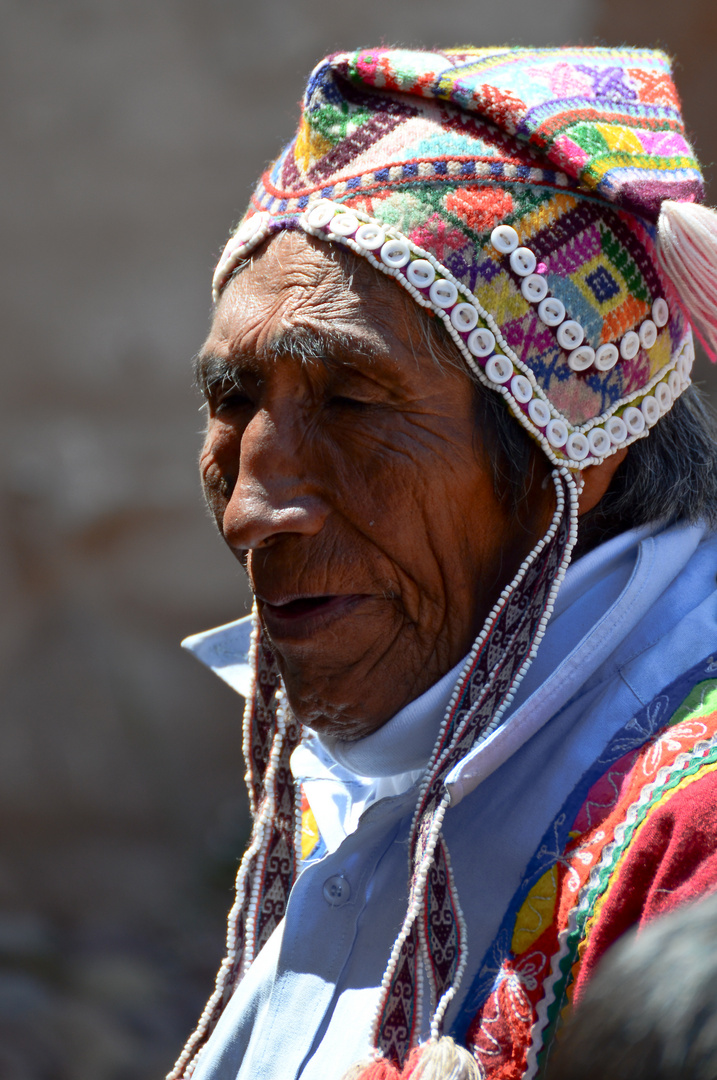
[[573, 151], [610, 119], [637, 838]]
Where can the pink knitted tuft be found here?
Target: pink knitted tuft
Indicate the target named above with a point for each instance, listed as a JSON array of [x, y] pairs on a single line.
[[688, 251], [376, 1070]]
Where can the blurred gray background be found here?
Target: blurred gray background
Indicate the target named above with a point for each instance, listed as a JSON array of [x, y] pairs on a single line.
[[131, 135]]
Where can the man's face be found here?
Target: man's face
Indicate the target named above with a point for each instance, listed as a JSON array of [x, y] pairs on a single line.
[[343, 468]]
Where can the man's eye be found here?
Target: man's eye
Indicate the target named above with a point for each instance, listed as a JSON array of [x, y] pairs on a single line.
[[355, 404], [229, 399]]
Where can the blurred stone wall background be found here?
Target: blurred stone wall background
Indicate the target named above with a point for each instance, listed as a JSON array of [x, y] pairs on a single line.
[[131, 134]]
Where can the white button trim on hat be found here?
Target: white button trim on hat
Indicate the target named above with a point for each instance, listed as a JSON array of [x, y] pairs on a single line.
[[250, 227], [660, 312], [634, 420], [465, 317], [443, 293], [420, 273], [250, 233], [570, 334], [616, 429], [582, 358], [346, 224], [577, 447], [663, 395], [504, 239], [370, 237], [675, 383], [395, 253], [523, 261], [551, 311], [521, 389], [630, 345], [481, 342], [648, 334], [424, 272], [499, 369], [557, 433], [599, 441], [534, 288], [321, 214], [606, 357], [689, 353], [539, 412], [650, 409]]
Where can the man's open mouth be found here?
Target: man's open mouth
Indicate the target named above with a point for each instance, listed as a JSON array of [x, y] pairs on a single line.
[[305, 613]]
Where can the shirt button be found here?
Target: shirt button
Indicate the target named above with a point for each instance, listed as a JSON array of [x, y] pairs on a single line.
[[336, 890]]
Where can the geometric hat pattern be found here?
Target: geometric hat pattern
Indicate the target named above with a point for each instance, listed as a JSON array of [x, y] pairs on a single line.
[[515, 194]]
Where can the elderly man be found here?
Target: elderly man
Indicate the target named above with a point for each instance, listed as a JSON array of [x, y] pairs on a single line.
[[455, 320]]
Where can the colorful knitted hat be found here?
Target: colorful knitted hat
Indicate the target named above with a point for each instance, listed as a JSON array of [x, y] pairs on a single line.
[[538, 202]]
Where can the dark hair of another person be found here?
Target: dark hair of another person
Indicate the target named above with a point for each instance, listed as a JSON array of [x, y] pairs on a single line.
[[650, 1012]]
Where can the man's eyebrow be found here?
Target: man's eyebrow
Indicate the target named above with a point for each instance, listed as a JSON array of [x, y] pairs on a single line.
[[330, 347], [211, 370], [309, 344]]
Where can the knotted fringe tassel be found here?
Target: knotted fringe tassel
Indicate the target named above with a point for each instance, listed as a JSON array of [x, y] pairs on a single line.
[[440, 1060], [687, 246]]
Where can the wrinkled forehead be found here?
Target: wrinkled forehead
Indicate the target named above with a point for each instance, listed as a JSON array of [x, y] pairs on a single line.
[[300, 310], [294, 288]]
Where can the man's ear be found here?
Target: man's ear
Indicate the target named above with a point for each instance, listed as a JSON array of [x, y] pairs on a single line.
[[597, 479]]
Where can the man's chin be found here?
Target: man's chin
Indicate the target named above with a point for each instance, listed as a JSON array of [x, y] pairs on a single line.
[[333, 719], [342, 685]]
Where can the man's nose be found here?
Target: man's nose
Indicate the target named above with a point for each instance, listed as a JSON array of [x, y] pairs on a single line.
[[273, 494]]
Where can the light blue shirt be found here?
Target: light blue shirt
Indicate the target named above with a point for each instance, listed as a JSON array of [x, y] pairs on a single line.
[[631, 616]]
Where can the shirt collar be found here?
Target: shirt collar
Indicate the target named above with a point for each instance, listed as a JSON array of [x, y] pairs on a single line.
[[602, 596]]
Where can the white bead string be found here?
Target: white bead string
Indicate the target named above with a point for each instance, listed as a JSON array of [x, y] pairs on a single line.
[[439, 756], [243, 873], [418, 890], [496, 610], [261, 835], [298, 824], [249, 708], [450, 993], [238, 246], [268, 811]]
